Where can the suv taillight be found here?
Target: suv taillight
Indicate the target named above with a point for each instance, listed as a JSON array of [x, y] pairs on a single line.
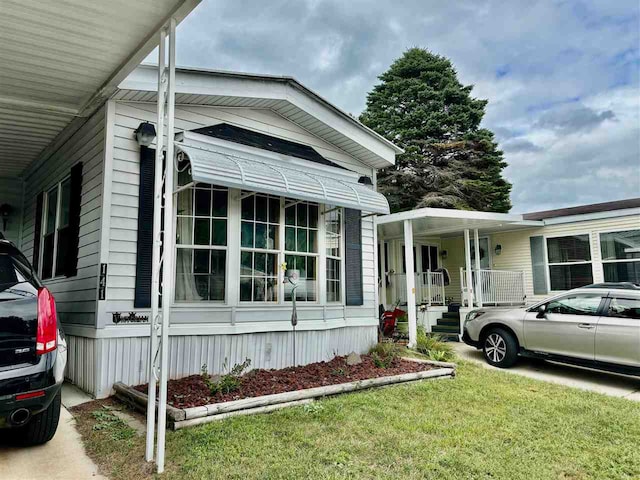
[[47, 335]]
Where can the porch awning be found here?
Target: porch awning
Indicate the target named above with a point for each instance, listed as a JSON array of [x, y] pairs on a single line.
[[224, 163]]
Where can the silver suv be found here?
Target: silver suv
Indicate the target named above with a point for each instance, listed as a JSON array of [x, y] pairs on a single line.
[[596, 326]]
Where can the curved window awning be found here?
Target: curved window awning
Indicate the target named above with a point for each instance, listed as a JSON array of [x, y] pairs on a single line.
[[227, 164]]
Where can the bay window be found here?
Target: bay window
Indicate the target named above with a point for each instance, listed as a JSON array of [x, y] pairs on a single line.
[[259, 234], [333, 245], [301, 249], [621, 256], [201, 241], [569, 260]]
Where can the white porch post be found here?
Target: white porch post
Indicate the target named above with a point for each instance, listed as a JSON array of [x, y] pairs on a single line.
[[476, 245], [383, 274], [467, 263], [411, 283]]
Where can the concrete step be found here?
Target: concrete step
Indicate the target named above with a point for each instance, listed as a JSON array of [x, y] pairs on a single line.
[[445, 329]]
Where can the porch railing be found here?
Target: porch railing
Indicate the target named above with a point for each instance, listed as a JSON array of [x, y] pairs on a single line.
[[429, 288], [495, 287]]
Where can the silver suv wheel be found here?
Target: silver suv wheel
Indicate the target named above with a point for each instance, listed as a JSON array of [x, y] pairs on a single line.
[[495, 348], [500, 348]]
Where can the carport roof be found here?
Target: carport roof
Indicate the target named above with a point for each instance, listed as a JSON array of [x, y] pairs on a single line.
[[446, 222], [60, 61]]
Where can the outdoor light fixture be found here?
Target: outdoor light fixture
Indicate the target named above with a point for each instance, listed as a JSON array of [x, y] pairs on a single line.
[[145, 134], [498, 249], [5, 213], [364, 180]]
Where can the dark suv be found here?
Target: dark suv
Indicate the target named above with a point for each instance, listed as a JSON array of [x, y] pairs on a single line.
[[33, 351]]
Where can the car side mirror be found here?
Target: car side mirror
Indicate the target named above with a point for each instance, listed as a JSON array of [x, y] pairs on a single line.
[[542, 312]]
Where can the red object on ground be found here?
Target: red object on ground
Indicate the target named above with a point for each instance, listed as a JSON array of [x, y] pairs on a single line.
[[390, 320], [192, 391]]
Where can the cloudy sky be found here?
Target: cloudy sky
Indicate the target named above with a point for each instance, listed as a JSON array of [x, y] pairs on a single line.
[[562, 77]]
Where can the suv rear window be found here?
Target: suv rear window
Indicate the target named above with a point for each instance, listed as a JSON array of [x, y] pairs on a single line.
[[624, 308], [14, 269]]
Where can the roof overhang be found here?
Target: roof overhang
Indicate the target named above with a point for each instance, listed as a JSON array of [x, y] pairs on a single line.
[[283, 95], [445, 222], [221, 162], [60, 61]]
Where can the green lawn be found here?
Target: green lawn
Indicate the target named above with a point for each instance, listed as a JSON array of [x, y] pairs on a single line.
[[483, 424]]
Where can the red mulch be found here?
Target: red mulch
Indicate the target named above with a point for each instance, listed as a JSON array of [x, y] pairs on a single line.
[[192, 392]]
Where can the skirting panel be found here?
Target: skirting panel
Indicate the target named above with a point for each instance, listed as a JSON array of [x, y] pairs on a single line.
[[81, 361], [126, 359]]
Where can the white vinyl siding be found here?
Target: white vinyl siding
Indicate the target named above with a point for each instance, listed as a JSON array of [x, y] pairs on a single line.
[[75, 296]]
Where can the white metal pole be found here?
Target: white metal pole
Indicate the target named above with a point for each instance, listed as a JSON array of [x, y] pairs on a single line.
[[383, 272], [476, 245], [411, 283], [467, 258], [169, 249], [155, 255]]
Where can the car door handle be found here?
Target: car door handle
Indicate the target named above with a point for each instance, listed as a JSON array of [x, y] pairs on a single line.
[[588, 326]]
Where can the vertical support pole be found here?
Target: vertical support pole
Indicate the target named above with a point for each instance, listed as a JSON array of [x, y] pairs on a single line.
[[383, 271], [411, 283], [155, 254], [429, 286], [467, 263], [169, 249], [478, 290]]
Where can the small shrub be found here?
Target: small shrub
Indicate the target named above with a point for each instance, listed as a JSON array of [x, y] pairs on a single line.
[[341, 372], [227, 383], [432, 346], [385, 354], [312, 408]]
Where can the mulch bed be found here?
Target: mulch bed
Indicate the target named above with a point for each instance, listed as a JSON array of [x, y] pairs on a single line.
[[192, 392]]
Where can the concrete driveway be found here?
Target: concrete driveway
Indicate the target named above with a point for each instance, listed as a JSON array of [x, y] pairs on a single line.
[[607, 383], [63, 458]]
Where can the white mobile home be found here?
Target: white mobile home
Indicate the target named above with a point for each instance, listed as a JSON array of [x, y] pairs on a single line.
[[464, 259], [267, 173]]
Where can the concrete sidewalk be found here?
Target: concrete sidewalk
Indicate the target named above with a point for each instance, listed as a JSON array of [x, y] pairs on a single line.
[[607, 383], [62, 458]]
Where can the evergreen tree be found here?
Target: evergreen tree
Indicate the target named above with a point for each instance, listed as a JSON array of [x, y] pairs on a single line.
[[449, 161]]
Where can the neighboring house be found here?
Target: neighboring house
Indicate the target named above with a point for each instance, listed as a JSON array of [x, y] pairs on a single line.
[[520, 258], [269, 173]]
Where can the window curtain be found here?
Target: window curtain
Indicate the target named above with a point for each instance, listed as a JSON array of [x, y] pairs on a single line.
[[186, 289]]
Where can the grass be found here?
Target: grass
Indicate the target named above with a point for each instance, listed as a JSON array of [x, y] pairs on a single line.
[[482, 425]]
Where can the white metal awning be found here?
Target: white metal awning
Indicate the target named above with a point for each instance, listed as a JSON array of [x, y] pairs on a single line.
[[228, 164]]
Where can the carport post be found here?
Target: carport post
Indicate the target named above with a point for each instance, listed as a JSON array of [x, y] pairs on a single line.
[[411, 283], [476, 245], [467, 263]]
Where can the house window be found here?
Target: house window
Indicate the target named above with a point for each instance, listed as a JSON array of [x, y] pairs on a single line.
[[333, 242], [569, 260], [55, 232], [429, 260], [621, 256], [301, 249], [201, 241], [259, 234]]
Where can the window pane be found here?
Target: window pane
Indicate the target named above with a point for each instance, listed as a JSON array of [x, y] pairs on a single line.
[[624, 308], [569, 249], [201, 231], [203, 202], [433, 255], [302, 214], [620, 245], [301, 242], [61, 253], [47, 256], [261, 208], [258, 289], [261, 235], [260, 264], [313, 216], [246, 237], [272, 267], [290, 215], [622, 272], [245, 289], [246, 263], [272, 290], [219, 232], [247, 208], [184, 229], [185, 202], [274, 210], [201, 261], [202, 286], [313, 243], [52, 205], [65, 201], [575, 305], [272, 240], [290, 239], [220, 203], [566, 277]]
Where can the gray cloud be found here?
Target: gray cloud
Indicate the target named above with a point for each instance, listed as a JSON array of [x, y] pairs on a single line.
[[573, 119], [530, 67]]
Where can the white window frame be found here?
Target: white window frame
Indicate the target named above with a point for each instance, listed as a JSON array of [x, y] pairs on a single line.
[[602, 260], [43, 226], [326, 257], [548, 265]]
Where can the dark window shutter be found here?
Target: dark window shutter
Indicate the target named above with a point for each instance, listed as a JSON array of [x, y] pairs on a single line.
[[353, 256], [73, 236], [37, 231], [142, 296], [538, 265]]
